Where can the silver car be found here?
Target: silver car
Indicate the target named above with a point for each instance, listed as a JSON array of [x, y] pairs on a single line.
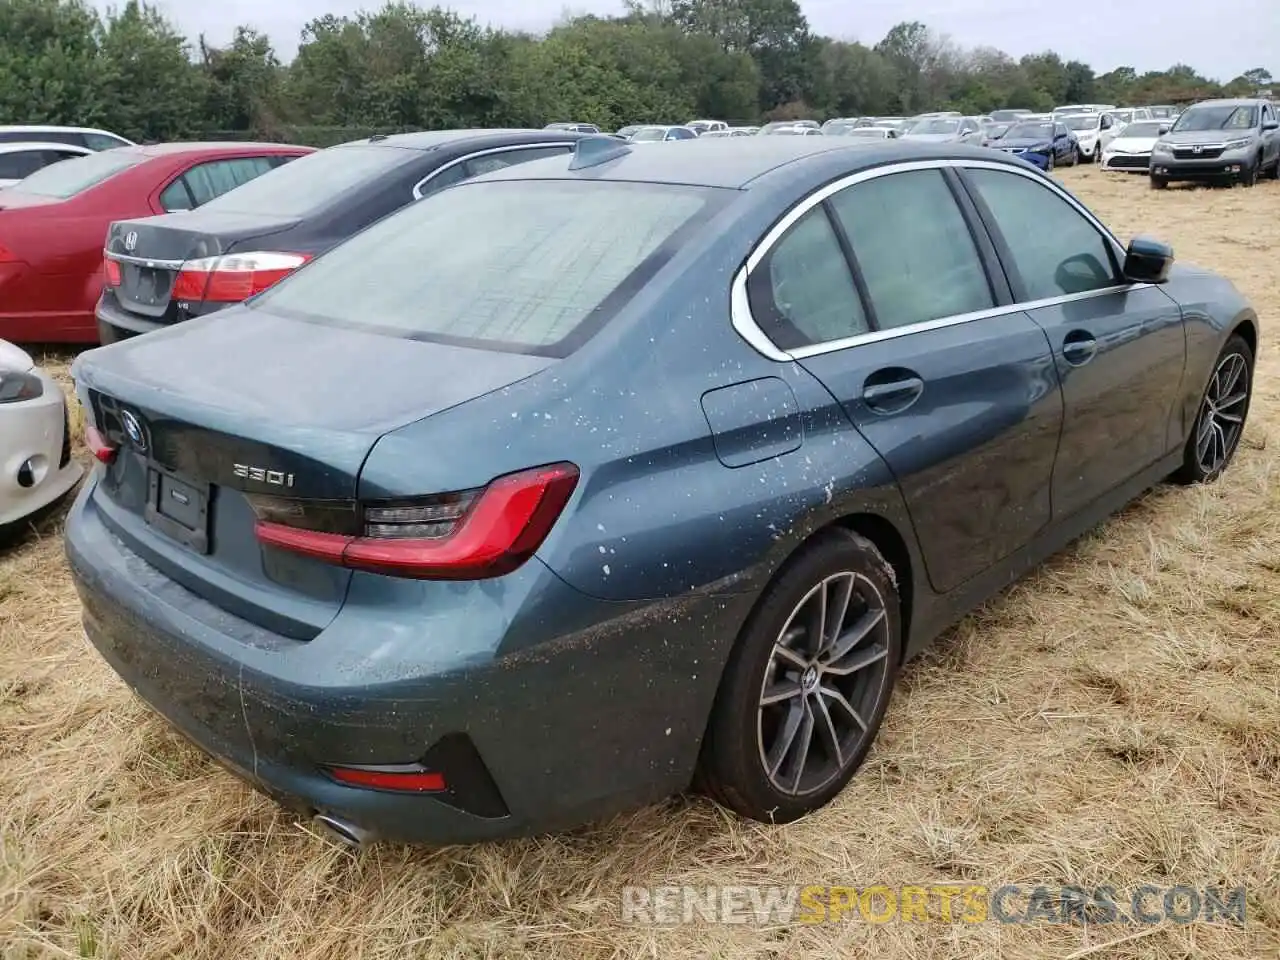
[[948, 129], [1219, 140]]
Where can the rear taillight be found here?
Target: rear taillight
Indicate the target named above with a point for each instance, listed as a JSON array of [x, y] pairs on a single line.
[[234, 277], [111, 272], [466, 535]]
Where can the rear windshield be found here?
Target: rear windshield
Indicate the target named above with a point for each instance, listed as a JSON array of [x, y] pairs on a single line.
[[309, 183], [531, 266], [70, 177]]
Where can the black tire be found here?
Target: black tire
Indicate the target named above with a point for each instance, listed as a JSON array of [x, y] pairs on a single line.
[[1159, 183], [1049, 164], [1274, 172], [744, 733], [1219, 403], [1249, 175]]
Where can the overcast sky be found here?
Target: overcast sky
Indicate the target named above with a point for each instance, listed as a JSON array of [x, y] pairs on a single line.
[[1220, 38]]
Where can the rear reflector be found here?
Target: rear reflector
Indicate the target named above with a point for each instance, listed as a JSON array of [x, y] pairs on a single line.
[[468, 535], [235, 277], [407, 779], [98, 445]]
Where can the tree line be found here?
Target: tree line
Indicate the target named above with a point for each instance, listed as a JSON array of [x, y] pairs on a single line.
[[408, 67]]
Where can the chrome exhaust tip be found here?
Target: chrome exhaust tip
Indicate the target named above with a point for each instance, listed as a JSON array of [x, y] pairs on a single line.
[[342, 831]]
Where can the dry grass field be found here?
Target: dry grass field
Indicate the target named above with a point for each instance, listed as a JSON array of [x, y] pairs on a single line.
[[1113, 719]]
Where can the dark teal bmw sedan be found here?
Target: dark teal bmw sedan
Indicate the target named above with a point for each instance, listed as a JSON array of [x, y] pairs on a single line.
[[600, 477]]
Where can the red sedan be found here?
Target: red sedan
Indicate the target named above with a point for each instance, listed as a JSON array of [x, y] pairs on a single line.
[[53, 224]]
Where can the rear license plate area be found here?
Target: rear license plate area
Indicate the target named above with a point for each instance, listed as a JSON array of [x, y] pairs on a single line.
[[145, 285], [178, 508]]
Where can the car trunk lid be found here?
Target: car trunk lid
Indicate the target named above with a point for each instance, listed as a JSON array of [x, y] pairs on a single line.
[[150, 253], [205, 434]]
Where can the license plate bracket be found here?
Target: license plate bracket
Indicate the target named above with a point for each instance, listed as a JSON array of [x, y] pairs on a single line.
[[178, 508]]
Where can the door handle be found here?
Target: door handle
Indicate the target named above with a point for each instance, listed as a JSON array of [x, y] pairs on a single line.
[[892, 391], [1079, 347]]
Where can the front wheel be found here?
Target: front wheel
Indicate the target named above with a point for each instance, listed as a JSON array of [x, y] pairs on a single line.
[[1048, 164], [1159, 183], [807, 684], [1249, 175], [1223, 411]]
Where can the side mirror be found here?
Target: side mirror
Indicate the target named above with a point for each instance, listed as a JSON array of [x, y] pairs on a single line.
[[1147, 261], [1271, 124], [1164, 128], [1106, 123]]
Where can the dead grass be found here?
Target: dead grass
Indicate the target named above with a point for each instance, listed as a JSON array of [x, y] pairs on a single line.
[[1114, 719]]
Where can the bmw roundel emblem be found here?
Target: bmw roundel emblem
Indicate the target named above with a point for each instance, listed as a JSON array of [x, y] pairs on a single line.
[[134, 429]]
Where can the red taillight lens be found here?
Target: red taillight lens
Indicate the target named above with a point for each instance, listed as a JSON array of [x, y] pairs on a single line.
[[235, 277], [111, 272], [407, 779], [98, 445], [456, 536]]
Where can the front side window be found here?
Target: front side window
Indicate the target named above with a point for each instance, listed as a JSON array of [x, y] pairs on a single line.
[[530, 266], [803, 293], [913, 248], [1055, 250]]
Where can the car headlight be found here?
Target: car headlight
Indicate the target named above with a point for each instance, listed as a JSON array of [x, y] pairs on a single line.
[[1042, 148], [16, 386], [1162, 148], [1238, 144]]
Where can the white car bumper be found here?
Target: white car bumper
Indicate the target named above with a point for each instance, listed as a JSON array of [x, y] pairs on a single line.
[[1127, 162], [36, 467]]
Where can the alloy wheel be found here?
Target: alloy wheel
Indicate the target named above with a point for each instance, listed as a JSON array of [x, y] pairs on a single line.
[[1221, 420], [826, 675]]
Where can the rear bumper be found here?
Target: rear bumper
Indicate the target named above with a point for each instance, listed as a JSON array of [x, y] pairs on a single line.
[[115, 324], [35, 432], [608, 716]]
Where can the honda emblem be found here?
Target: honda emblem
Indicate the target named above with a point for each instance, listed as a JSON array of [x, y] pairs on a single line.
[[130, 241], [1197, 149]]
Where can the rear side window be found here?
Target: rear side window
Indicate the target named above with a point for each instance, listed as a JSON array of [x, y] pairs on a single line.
[[207, 181], [913, 248], [532, 266], [803, 292], [23, 163], [312, 182], [100, 141], [72, 177]]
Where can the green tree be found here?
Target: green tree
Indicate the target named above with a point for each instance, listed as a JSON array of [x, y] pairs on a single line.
[[147, 76]]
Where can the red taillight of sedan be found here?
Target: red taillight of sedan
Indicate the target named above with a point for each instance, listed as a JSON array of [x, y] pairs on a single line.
[[233, 277], [111, 272], [467, 535]]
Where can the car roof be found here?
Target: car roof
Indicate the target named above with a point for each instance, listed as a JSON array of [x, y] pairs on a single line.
[[21, 145], [435, 139], [53, 128], [170, 149], [1229, 102], [734, 163]]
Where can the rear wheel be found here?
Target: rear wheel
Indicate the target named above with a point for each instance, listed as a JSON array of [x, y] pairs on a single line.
[[1223, 411], [807, 684]]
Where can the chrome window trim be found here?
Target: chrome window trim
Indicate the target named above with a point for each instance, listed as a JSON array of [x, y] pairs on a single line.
[[740, 307], [417, 189], [144, 261]]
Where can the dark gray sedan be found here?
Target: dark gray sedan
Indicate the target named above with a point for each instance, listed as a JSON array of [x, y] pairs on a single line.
[[564, 485]]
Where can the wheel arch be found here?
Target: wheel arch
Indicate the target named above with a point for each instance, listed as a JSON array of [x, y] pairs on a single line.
[[1246, 327]]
